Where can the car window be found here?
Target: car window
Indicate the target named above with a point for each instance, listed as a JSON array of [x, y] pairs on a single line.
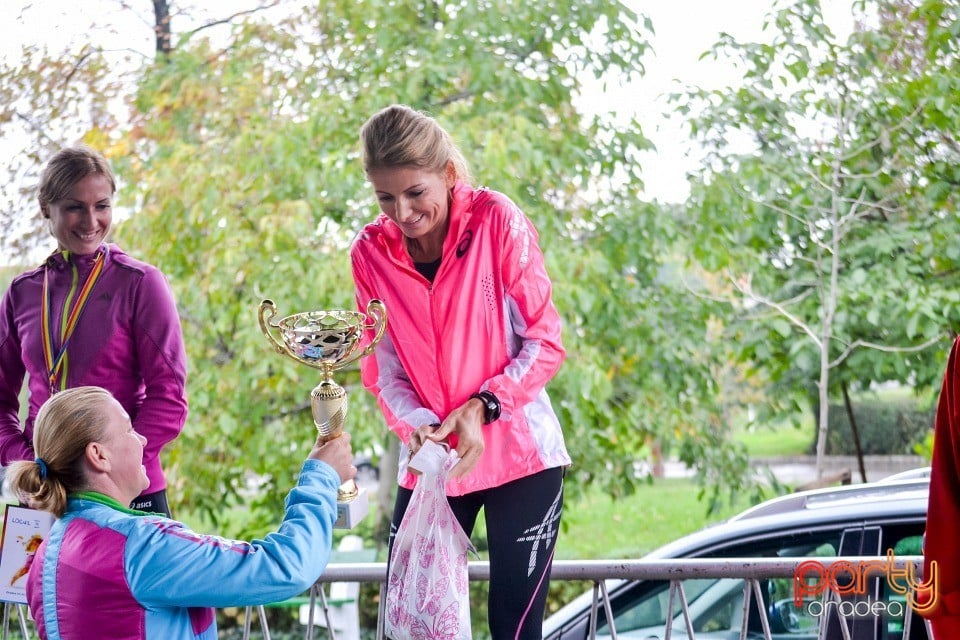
[[875, 609], [648, 607], [904, 542], [784, 614]]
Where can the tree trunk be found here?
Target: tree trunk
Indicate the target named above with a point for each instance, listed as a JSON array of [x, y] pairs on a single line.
[[855, 432], [822, 424], [823, 394], [389, 466], [161, 12]]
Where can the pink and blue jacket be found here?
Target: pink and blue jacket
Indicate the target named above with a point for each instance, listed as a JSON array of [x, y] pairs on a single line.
[[486, 322], [128, 341], [106, 572]]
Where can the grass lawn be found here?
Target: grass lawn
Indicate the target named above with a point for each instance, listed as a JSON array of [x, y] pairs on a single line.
[[596, 527], [768, 442]]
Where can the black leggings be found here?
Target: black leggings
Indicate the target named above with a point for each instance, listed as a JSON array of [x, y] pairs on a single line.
[[522, 518]]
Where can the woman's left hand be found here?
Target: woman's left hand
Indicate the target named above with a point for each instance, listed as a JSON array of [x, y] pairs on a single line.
[[467, 422]]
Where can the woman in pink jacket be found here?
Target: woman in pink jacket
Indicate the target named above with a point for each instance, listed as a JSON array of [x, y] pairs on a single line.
[[473, 339]]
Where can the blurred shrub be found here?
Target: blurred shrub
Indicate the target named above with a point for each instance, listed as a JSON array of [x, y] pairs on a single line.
[[886, 427]]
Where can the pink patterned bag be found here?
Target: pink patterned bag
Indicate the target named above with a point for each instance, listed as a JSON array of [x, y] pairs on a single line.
[[427, 584]]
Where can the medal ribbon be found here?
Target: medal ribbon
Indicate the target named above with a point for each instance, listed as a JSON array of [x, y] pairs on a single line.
[[55, 363]]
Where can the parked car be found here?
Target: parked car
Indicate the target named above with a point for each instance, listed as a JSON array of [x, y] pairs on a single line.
[[853, 520]]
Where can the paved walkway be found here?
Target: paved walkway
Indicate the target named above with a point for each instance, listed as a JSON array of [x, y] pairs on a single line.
[[799, 470]]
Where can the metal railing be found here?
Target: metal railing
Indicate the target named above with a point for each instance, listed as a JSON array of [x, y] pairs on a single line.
[[750, 570]]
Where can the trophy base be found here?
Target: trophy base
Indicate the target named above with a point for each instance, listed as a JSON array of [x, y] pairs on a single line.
[[349, 514]]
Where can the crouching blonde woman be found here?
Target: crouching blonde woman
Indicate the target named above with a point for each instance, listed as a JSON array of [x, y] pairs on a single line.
[[107, 571]]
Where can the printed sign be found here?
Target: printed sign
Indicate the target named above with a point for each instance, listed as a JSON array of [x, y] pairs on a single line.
[[23, 531], [844, 578]]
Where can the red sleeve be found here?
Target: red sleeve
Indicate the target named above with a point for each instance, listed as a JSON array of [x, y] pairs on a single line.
[[943, 511]]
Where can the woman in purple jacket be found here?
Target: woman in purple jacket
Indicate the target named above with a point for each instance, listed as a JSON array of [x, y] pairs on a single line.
[[91, 315]]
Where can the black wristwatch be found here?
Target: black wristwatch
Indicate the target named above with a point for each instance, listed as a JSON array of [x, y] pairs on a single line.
[[491, 406]]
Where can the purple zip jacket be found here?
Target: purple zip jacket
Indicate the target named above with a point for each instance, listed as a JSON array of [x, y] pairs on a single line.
[[128, 341]]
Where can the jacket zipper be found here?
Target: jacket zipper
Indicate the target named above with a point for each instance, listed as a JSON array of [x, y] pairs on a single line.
[[441, 379]]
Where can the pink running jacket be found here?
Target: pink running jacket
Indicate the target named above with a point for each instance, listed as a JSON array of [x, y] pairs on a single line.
[[486, 322]]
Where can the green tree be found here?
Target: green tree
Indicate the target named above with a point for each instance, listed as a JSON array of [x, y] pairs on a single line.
[[240, 160], [51, 97], [833, 228], [246, 180]]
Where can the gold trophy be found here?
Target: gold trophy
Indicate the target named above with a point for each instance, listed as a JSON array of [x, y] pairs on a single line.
[[328, 340]]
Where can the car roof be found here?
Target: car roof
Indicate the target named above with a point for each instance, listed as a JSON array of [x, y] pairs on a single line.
[[876, 501], [882, 491]]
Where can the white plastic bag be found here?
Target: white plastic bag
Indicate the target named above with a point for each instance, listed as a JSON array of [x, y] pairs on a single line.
[[427, 584]]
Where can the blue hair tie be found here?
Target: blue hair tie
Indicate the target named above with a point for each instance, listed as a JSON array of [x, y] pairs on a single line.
[[43, 467]]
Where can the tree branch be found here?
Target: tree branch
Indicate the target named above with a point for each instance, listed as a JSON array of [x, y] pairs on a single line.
[[283, 413], [456, 97], [232, 17], [744, 286], [881, 347], [36, 128]]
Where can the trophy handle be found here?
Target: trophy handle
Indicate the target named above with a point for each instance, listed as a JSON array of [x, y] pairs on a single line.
[[377, 311], [265, 324]]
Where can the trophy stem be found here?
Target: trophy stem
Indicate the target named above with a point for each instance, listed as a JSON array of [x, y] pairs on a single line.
[[328, 401]]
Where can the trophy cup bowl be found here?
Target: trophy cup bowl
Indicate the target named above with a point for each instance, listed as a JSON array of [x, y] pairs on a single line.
[[327, 340], [322, 336]]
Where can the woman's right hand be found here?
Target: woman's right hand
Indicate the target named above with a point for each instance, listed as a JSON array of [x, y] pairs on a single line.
[[420, 435], [338, 454]]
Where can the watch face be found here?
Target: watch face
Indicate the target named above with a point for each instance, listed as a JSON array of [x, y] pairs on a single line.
[[491, 406]]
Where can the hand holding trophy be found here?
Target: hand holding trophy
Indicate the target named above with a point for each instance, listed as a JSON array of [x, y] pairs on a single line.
[[328, 340]]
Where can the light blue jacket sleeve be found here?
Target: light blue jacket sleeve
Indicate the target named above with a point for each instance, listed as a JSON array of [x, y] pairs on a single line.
[[167, 564]]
